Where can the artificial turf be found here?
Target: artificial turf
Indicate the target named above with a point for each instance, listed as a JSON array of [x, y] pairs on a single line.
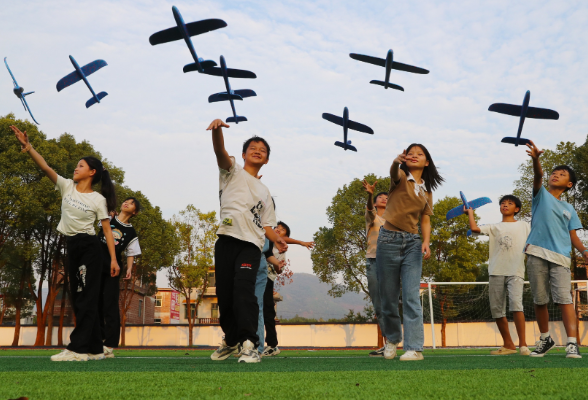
[[177, 374]]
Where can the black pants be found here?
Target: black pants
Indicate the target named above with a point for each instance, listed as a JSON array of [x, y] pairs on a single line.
[[85, 274], [108, 309], [269, 314], [236, 268]]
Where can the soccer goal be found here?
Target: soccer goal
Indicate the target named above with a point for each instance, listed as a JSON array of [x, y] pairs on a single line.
[[457, 302]]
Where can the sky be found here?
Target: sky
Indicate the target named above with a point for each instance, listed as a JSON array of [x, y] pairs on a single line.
[[152, 123]]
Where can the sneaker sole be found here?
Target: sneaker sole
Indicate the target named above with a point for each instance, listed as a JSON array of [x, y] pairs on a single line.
[[223, 357], [249, 362], [537, 355], [573, 356], [412, 359], [376, 355], [109, 356], [390, 358]]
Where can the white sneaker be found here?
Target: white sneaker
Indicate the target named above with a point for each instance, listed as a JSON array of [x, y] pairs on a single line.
[[96, 357], [249, 354], [67, 355], [108, 352], [390, 350], [269, 351], [412, 355], [223, 352]]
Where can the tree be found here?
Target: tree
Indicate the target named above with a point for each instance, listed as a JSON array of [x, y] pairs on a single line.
[[339, 255], [196, 233], [455, 257]]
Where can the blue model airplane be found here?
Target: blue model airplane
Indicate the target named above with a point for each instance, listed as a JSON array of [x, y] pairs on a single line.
[[185, 31], [457, 211], [389, 64], [18, 91], [522, 112], [230, 94], [346, 123], [82, 74]]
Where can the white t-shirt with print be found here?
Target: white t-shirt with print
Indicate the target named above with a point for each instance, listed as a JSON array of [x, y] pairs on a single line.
[[246, 205], [79, 210], [507, 244]]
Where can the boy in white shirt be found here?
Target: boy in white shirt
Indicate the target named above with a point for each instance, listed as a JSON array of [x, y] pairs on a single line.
[[247, 217], [506, 270]]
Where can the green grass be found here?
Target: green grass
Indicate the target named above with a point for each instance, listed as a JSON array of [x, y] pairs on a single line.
[[451, 374]]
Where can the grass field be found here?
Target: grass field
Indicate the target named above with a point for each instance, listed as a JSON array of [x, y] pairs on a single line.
[[189, 374]]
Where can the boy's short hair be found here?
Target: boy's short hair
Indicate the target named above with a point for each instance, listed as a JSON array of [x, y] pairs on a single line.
[[136, 202], [286, 227], [514, 199], [571, 173], [379, 194], [256, 139]]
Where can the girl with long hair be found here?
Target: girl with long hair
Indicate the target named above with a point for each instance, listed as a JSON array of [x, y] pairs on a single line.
[[400, 250], [81, 206]]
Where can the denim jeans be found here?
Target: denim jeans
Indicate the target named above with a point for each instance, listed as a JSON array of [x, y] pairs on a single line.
[[400, 261], [260, 284], [372, 278]]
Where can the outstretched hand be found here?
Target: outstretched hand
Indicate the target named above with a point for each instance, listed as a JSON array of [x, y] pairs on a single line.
[[369, 188], [217, 123], [401, 159], [22, 137], [308, 245], [534, 151]]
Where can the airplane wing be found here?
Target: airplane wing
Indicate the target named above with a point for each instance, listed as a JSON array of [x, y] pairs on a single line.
[[369, 59], [92, 67], [454, 212], [513, 140], [508, 109], [68, 80], [356, 126], [409, 68], [231, 72], [165, 36], [10, 72], [333, 118], [478, 202], [542, 113], [224, 96], [28, 109], [193, 28], [245, 93]]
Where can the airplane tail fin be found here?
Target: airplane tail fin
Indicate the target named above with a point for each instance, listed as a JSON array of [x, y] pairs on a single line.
[[236, 120], [203, 64], [513, 140], [224, 96], [93, 101], [390, 85], [345, 146], [26, 94]]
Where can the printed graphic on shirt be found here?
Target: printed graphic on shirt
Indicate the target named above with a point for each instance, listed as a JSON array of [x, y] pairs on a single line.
[[228, 221], [505, 243], [81, 278], [567, 214], [256, 211], [246, 266], [117, 235], [76, 203]]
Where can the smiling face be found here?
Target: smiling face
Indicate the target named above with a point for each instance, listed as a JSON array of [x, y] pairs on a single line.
[[129, 207], [508, 208], [256, 154], [83, 171], [560, 179], [416, 158]]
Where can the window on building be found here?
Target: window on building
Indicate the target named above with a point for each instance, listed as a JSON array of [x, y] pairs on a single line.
[[157, 321], [140, 308], [211, 279], [214, 310], [158, 300], [192, 311]]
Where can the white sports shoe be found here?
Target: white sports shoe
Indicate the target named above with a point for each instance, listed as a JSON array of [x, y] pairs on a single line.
[[412, 355], [249, 354], [108, 352], [96, 357], [390, 350], [224, 351], [67, 355]]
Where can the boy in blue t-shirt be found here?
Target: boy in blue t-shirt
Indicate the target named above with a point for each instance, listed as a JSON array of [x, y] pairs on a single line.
[[549, 246]]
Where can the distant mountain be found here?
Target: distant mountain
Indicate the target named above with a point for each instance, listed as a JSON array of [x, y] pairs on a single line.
[[309, 298]]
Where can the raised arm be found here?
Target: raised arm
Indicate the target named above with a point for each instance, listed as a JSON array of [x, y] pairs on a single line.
[[218, 143], [535, 153], [37, 158], [308, 245], [473, 226], [370, 189], [395, 168]]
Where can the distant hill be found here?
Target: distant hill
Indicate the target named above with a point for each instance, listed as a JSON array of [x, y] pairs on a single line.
[[308, 298]]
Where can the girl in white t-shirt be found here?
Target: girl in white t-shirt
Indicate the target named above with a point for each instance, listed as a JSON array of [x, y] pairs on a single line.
[[80, 208]]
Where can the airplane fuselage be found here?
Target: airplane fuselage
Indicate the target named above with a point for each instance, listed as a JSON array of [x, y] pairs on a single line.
[[81, 73], [228, 85], [345, 126], [182, 27], [388, 66], [523, 115]]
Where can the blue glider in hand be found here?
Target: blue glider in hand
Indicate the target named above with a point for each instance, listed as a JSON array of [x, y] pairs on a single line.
[[230, 94], [185, 31], [18, 91], [346, 123], [457, 211], [522, 112], [82, 74], [389, 64]]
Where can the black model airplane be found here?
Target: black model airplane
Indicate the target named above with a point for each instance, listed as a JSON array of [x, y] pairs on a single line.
[[346, 123]]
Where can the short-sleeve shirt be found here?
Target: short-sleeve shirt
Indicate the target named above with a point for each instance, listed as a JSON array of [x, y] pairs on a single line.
[[373, 223], [273, 251], [551, 224], [79, 210], [407, 201], [507, 244], [125, 239], [246, 205]]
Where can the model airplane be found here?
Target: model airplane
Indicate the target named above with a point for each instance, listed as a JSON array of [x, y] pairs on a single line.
[[346, 123], [82, 74], [522, 112], [457, 211], [18, 91], [185, 31], [389, 64], [230, 94]]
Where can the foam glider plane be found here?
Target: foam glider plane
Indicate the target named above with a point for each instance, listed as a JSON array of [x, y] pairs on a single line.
[[346, 123], [230, 95], [389, 64], [18, 91], [186, 31], [457, 211], [523, 112], [82, 74]]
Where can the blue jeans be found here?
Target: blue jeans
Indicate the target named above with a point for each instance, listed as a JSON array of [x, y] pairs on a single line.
[[400, 261], [372, 278], [260, 284]]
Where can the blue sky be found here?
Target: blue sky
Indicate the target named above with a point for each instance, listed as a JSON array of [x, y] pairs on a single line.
[[152, 123]]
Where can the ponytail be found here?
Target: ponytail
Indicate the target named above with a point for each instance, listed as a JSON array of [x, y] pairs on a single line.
[[102, 176]]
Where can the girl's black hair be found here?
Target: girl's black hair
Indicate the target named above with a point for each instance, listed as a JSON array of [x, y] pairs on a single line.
[[430, 174], [103, 177], [136, 202]]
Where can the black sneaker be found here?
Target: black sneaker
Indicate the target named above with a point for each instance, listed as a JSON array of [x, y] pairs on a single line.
[[542, 346], [572, 350], [377, 353]]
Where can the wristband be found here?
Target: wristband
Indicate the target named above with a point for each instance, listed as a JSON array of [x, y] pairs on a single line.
[[584, 251]]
